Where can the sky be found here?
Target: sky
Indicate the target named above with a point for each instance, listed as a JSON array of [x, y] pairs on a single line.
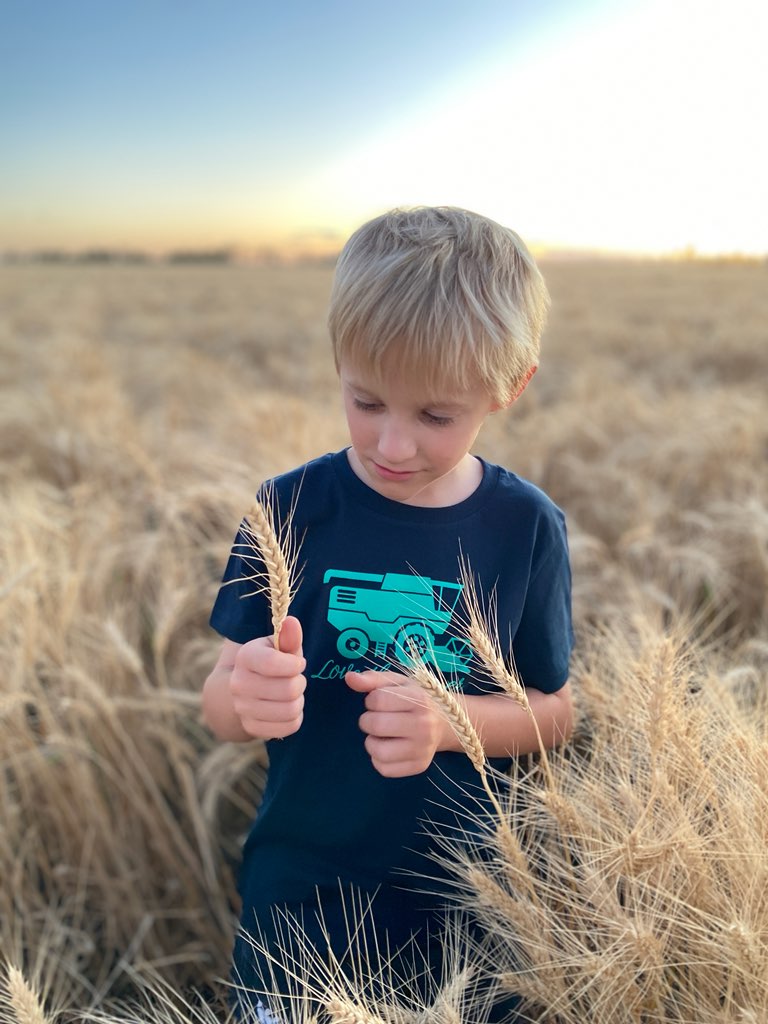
[[619, 125]]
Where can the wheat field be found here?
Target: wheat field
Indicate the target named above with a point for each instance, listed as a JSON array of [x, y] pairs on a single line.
[[141, 406]]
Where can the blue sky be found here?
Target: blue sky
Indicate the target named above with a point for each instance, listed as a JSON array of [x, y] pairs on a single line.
[[193, 122]]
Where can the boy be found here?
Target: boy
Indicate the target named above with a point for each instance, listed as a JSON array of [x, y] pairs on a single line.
[[435, 318]]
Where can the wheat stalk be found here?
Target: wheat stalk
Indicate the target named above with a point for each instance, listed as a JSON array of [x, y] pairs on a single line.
[[274, 546], [343, 1011], [483, 636], [456, 714], [452, 709], [23, 999]]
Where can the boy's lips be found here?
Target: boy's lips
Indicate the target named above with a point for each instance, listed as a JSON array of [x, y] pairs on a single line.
[[393, 474]]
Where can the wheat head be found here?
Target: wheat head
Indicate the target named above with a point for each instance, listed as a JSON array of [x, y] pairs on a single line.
[[482, 633], [460, 721], [456, 714], [483, 636], [273, 545], [341, 1010], [23, 999]]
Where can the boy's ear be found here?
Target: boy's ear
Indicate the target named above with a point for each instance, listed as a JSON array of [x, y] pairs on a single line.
[[520, 390]]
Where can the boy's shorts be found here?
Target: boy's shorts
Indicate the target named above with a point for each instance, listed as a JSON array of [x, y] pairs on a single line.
[[383, 946]]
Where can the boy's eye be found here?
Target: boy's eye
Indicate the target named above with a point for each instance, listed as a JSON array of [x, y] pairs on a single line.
[[433, 418], [366, 406], [437, 420]]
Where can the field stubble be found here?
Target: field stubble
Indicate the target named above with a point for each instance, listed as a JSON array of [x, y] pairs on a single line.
[[140, 409]]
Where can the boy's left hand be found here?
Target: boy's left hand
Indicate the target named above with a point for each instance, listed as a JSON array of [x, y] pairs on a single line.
[[403, 728]]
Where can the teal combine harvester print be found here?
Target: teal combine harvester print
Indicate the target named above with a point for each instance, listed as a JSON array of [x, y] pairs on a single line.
[[385, 614]]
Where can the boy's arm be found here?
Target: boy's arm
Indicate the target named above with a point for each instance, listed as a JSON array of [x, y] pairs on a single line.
[[218, 711], [506, 729]]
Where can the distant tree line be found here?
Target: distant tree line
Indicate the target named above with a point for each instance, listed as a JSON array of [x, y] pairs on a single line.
[[179, 257], [206, 256]]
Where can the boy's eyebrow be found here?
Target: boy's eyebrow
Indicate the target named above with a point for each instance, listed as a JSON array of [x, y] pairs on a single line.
[[447, 405], [363, 392], [358, 387]]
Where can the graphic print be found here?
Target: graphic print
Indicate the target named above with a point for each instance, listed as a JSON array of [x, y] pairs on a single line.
[[397, 614]]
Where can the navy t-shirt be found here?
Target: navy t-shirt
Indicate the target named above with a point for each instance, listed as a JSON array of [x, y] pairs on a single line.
[[377, 577]]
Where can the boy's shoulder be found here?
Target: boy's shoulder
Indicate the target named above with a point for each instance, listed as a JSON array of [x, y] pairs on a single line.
[[309, 473], [309, 486], [514, 488], [521, 508]]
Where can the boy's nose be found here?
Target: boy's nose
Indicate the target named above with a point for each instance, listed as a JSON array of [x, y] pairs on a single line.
[[396, 444]]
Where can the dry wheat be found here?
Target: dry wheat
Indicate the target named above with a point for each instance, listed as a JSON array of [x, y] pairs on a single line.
[[272, 542], [342, 1010], [456, 714], [119, 485], [25, 1002], [483, 635]]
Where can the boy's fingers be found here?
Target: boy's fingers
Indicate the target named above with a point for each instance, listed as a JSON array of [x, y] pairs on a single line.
[[366, 682], [280, 690], [260, 656], [275, 711], [396, 698], [385, 724], [291, 636]]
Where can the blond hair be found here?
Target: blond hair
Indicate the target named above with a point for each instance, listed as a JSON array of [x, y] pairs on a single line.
[[441, 292]]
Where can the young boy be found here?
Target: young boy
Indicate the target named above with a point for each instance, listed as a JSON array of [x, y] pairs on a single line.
[[435, 318]]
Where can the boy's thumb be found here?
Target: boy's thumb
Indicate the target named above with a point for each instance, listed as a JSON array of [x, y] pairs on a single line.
[[290, 636], [365, 682]]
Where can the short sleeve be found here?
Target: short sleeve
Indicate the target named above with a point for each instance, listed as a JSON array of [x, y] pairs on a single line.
[[544, 639]]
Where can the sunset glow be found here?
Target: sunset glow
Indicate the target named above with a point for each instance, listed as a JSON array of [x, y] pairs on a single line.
[[620, 126]]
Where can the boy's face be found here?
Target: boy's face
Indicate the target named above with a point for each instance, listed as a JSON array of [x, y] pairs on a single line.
[[408, 445]]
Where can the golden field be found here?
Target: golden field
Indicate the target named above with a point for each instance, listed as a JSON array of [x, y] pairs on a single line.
[[139, 409]]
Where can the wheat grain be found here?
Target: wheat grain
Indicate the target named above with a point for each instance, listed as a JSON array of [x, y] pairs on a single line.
[[279, 558], [24, 1001], [452, 709], [342, 1010], [483, 636], [461, 723], [450, 999], [482, 633]]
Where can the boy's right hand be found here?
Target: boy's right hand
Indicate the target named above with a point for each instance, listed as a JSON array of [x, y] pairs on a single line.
[[267, 686]]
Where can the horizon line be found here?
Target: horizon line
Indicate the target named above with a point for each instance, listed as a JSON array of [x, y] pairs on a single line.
[[287, 255]]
